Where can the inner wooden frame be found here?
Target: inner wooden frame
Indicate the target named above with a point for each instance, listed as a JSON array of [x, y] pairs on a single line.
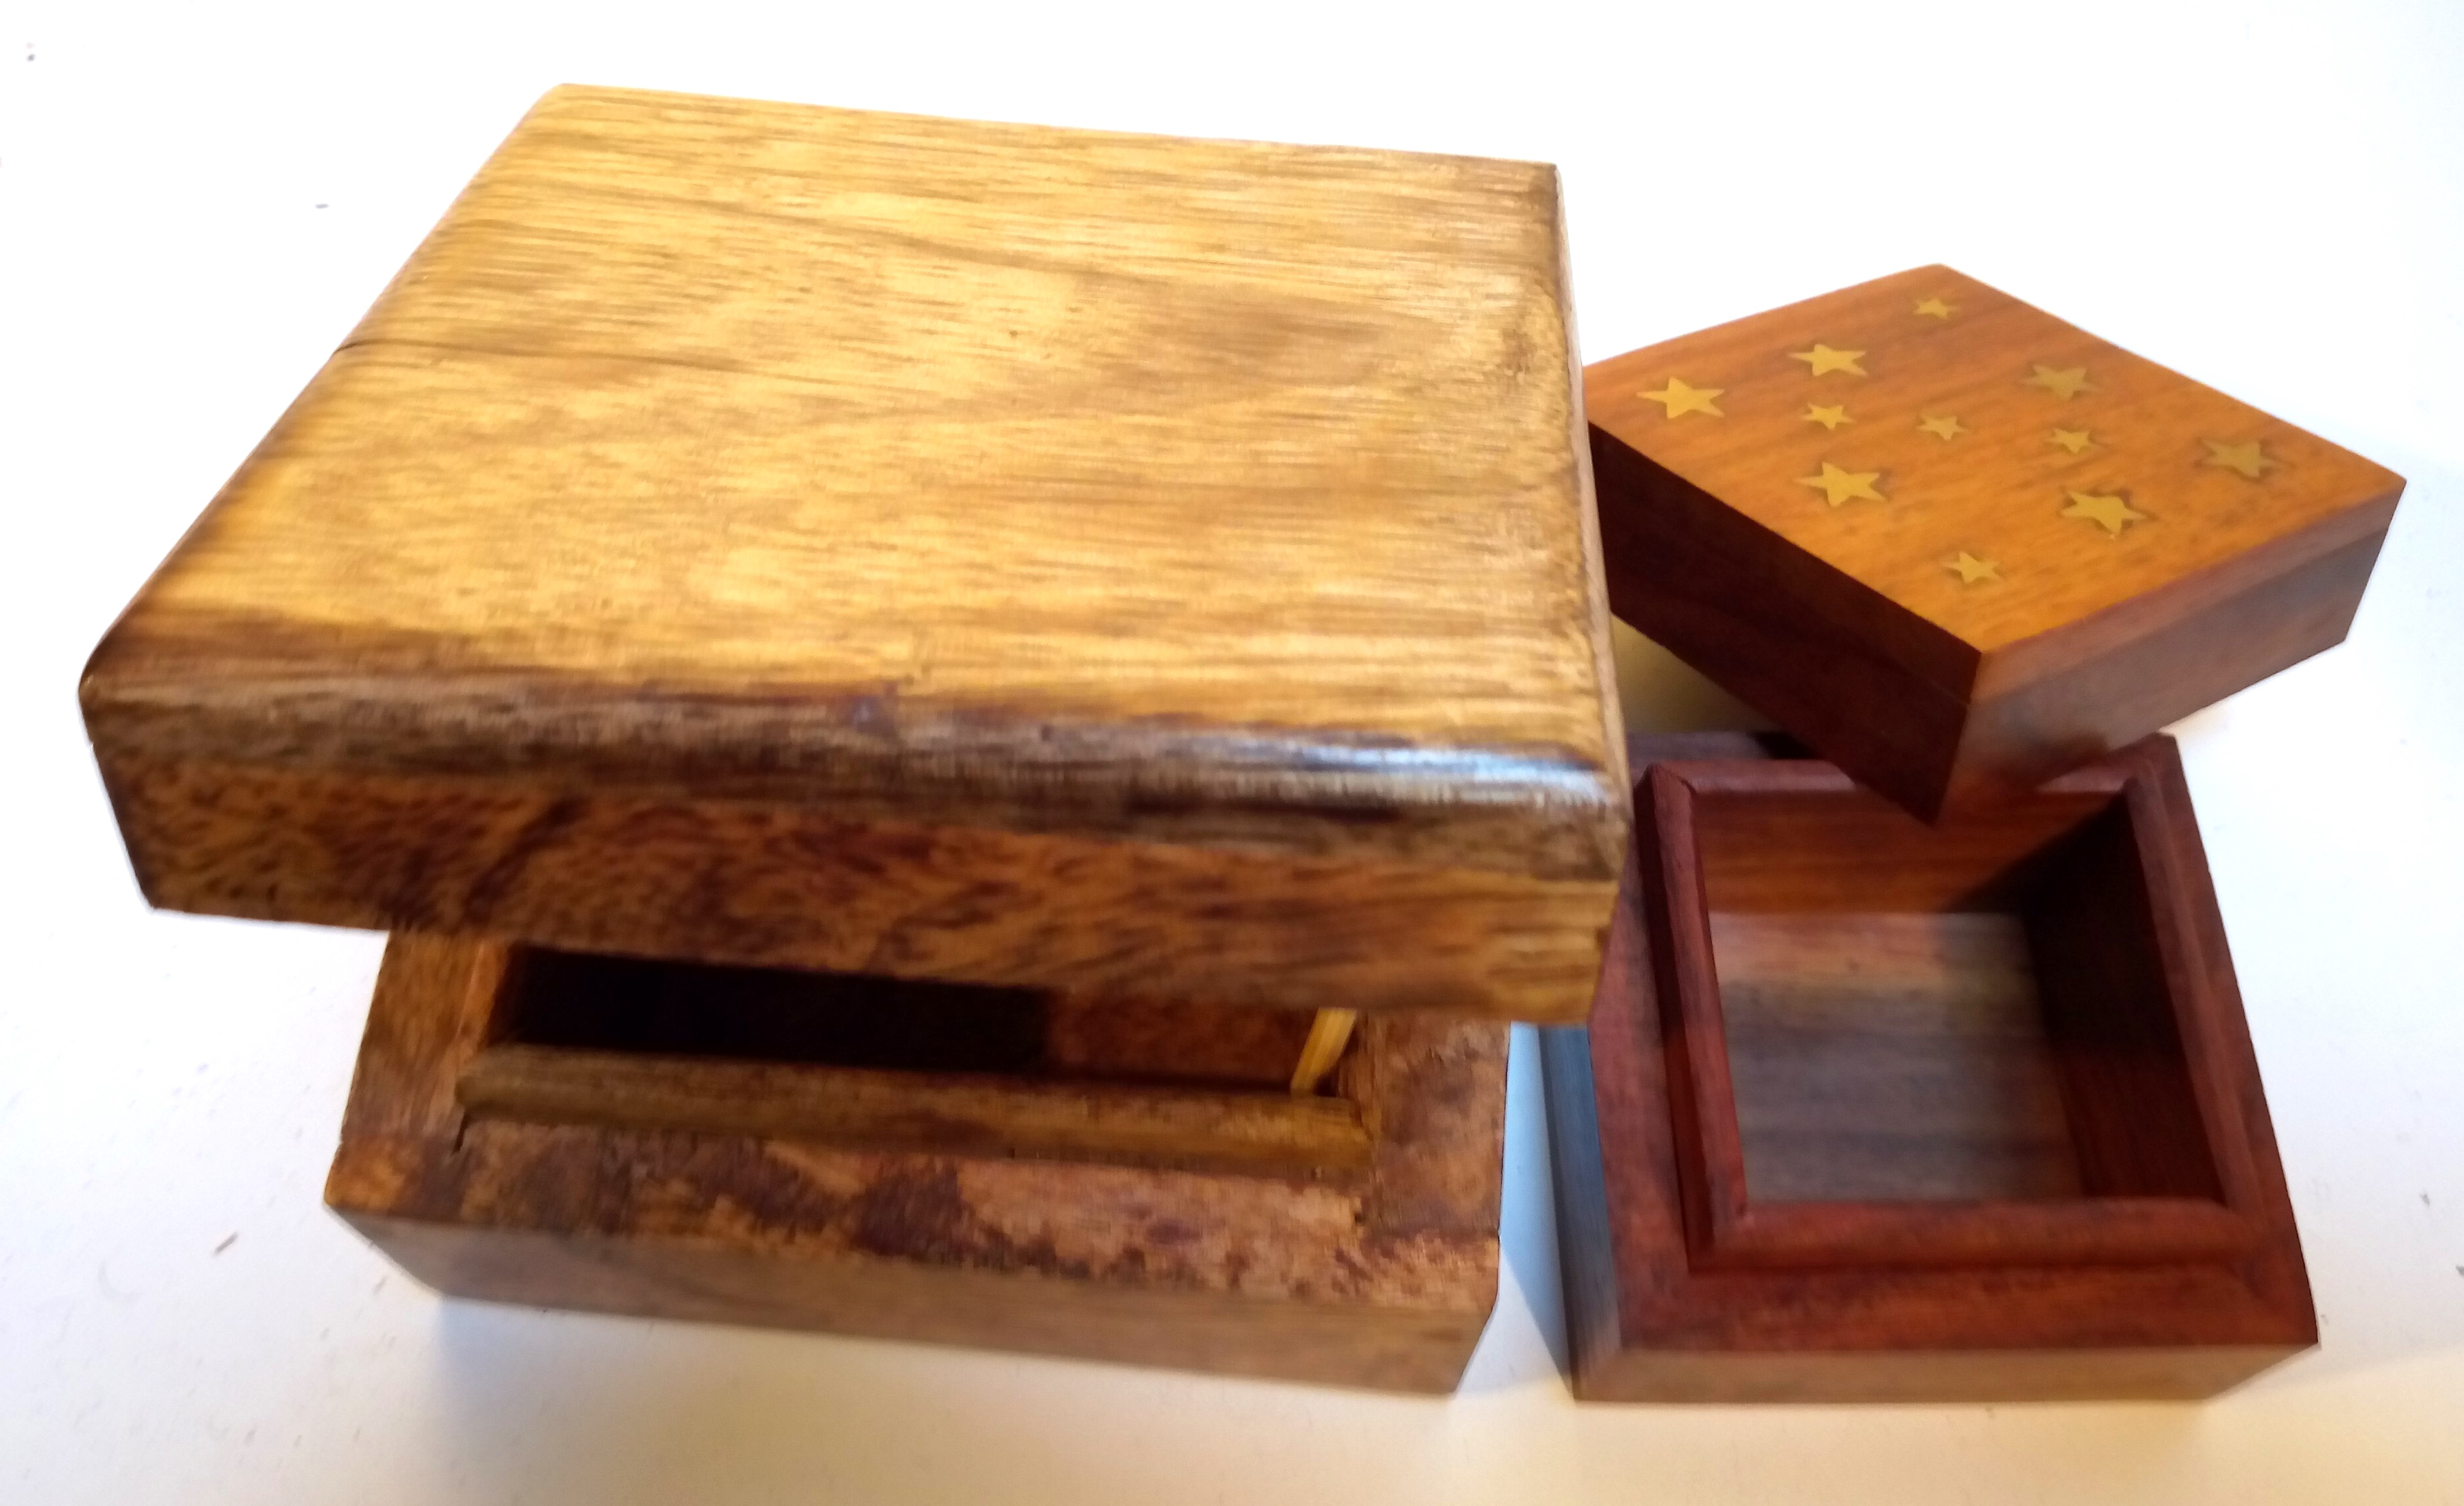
[[2167, 1166], [885, 1063], [1649, 1318], [1188, 1252]]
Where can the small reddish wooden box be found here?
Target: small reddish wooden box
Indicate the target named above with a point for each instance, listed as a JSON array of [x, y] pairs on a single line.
[[1869, 1111]]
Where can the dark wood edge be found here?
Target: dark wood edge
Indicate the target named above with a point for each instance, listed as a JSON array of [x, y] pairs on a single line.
[[1711, 1152], [2070, 1231], [1663, 537], [1746, 776], [2158, 800], [2015, 665], [2226, 1075]]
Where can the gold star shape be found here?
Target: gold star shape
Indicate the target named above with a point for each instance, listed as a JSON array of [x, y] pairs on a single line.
[[2067, 383], [1680, 400], [2073, 440], [1971, 570], [2110, 513], [2246, 457], [1828, 417], [1934, 308], [1838, 486], [1822, 358], [1948, 428]]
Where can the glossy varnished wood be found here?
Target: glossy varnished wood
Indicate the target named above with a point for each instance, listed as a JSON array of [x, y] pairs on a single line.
[[737, 505], [1952, 622], [1890, 1056], [1059, 1210], [2059, 1220]]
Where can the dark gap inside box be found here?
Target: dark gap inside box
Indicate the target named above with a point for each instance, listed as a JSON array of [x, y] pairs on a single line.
[[583, 1001], [1980, 1012], [872, 1062]]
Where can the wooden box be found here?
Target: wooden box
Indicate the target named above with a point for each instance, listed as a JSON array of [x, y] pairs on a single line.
[[1873, 1111], [995, 1167], [1958, 545], [785, 536]]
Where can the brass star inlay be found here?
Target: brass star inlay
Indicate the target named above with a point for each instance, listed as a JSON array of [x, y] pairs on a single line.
[[1971, 570], [1838, 486], [1828, 417], [1934, 308], [2067, 383], [1680, 400], [2110, 513], [2245, 458], [1945, 428], [1822, 358], [2073, 440]]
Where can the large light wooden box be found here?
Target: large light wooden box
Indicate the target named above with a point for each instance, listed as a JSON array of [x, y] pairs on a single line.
[[816, 569], [785, 536]]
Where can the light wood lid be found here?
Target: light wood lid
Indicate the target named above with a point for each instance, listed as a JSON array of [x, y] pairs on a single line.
[[956, 468]]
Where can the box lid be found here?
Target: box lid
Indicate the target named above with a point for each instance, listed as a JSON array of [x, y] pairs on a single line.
[[784, 535], [1959, 545]]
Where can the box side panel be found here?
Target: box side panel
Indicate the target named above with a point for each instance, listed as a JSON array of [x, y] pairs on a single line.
[[1867, 684], [2101, 702], [1328, 1342], [776, 884]]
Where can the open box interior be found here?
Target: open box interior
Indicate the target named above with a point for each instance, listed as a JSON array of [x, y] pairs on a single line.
[[894, 1063], [1879, 1112], [590, 1002], [1981, 1011]]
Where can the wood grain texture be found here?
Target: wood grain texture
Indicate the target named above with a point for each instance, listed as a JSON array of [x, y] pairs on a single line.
[[1380, 1275], [2216, 545], [1650, 1318], [973, 478], [781, 884], [1891, 1057], [846, 1106]]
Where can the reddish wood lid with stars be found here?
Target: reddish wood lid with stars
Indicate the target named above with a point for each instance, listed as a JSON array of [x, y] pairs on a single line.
[[1959, 545]]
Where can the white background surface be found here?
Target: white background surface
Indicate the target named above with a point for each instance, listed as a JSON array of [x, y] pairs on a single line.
[[196, 202]]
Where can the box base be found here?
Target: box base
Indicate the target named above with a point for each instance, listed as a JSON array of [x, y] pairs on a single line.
[[1378, 1275], [1904, 1238], [1332, 1343]]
